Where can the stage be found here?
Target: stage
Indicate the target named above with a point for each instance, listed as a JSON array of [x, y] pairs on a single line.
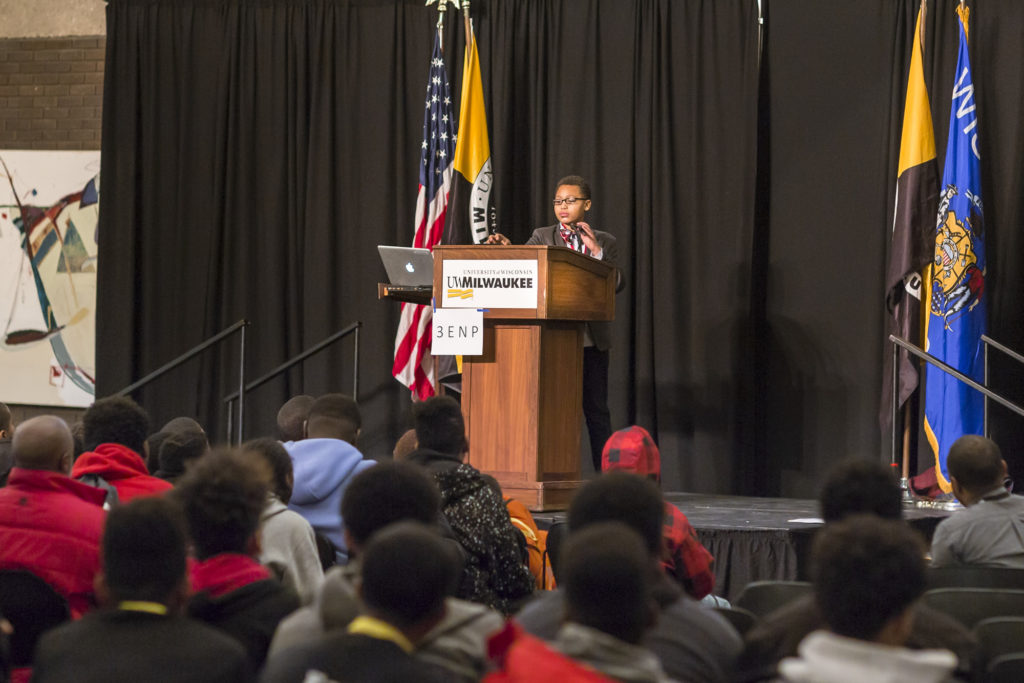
[[755, 539]]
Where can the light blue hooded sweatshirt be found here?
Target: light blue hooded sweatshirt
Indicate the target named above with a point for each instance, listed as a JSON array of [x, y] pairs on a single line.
[[322, 469]]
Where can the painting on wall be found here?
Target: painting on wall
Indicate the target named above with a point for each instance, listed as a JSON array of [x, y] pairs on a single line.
[[49, 208]]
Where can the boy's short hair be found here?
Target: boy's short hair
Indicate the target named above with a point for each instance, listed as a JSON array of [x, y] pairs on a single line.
[[976, 462], [578, 181], [439, 425], [621, 497], [386, 493], [222, 497], [606, 574], [144, 549], [116, 419], [866, 570], [857, 486], [407, 572], [278, 464]]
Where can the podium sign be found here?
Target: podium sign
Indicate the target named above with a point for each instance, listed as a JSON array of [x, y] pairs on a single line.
[[489, 284]]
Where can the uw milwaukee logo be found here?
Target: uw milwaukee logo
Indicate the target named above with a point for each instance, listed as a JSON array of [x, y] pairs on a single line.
[[460, 293], [957, 281]]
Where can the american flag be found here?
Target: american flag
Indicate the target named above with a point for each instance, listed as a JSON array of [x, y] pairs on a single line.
[[413, 365]]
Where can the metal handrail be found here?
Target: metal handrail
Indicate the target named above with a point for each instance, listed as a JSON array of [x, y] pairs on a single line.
[[292, 362], [192, 353], [949, 370], [989, 341]]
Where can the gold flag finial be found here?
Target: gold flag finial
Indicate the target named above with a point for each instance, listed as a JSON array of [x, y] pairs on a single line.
[[965, 14]]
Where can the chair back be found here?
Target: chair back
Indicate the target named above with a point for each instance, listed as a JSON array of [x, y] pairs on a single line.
[[970, 605], [742, 620], [764, 597], [556, 534], [33, 607], [1006, 669], [970, 576], [997, 636]]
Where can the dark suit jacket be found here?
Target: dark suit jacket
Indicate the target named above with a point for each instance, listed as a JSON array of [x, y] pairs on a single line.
[[600, 332], [112, 646]]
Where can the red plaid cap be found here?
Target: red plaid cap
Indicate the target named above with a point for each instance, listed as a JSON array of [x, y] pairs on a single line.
[[633, 450]]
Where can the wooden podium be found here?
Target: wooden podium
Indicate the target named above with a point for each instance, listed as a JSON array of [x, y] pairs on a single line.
[[522, 397]]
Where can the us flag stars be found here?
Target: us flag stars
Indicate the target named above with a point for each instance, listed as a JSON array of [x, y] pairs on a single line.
[[439, 136]]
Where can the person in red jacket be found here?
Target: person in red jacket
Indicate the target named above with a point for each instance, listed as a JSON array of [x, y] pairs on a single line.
[[50, 524], [115, 436], [684, 558]]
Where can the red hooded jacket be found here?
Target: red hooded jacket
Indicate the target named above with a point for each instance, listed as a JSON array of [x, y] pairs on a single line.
[[51, 525], [685, 558], [122, 468]]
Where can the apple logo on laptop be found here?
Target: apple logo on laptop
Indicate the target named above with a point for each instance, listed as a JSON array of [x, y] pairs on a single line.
[[408, 267]]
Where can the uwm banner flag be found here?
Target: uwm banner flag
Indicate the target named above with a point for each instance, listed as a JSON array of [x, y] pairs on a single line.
[[957, 316], [473, 214], [414, 366], [913, 228]]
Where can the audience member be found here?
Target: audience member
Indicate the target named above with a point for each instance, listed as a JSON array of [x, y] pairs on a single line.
[[179, 452], [115, 434], [51, 524], [495, 573], [607, 579], [521, 658], [153, 443], [692, 642], [6, 459], [853, 486], [178, 425], [405, 445], [406, 574], [222, 497], [287, 541], [683, 557], [291, 418], [142, 634], [990, 531], [379, 497], [867, 573], [324, 463]]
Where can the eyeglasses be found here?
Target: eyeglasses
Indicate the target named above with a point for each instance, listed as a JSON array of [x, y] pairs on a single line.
[[568, 201]]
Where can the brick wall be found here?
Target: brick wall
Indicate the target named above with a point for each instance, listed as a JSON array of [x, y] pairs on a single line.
[[51, 92]]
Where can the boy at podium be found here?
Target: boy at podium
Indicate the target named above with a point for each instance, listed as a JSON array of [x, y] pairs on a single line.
[[571, 203]]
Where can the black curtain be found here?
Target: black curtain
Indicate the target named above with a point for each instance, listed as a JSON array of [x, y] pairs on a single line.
[[254, 154]]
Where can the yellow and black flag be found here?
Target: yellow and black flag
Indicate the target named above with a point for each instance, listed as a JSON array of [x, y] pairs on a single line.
[[472, 210], [913, 229]]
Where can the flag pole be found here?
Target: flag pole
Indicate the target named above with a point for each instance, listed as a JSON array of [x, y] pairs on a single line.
[[442, 9]]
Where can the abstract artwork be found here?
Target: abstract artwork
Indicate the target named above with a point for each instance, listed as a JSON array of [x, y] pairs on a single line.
[[49, 208]]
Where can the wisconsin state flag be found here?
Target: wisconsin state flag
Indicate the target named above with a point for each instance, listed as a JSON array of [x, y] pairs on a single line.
[[957, 316], [913, 229], [472, 208]]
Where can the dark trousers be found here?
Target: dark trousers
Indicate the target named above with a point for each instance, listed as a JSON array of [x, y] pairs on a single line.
[[595, 401]]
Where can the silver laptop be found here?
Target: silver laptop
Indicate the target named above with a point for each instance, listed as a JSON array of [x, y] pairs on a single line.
[[408, 266]]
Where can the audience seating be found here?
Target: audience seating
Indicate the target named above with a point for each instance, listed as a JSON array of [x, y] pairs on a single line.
[[1006, 669], [997, 636], [764, 597], [556, 533], [32, 606], [968, 576], [970, 605], [742, 620]]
